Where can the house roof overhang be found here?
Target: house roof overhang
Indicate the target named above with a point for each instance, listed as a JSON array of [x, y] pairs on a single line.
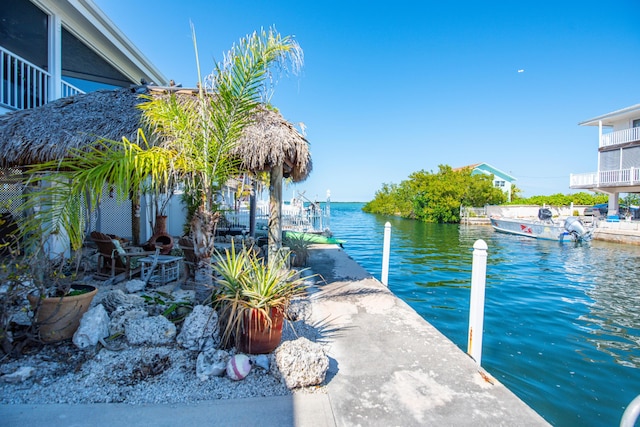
[[615, 116], [85, 20]]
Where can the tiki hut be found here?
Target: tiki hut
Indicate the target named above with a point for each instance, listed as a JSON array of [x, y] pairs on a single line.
[[50, 131], [271, 144]]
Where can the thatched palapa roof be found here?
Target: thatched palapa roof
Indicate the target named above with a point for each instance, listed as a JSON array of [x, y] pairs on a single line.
[[271, 141], [48, 132]]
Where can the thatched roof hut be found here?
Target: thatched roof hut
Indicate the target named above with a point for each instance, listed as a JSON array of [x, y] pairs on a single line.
[[271, 141], [48, 132]]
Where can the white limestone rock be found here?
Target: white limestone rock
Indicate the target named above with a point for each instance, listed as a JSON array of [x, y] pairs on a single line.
[[94, 325], [112, 300], [262, 361], [200, 329], [20, 375], [150, 330], [121, 316], [300, 363], [210, 363], [135, 285]]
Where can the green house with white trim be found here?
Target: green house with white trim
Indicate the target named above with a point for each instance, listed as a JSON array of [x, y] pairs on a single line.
[[501, 179]]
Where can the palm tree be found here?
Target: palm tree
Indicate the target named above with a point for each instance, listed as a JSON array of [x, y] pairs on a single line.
[[190, 142]]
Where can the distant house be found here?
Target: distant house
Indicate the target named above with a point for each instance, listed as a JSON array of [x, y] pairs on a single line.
[[618, 156], [501, 179], [51, 49]]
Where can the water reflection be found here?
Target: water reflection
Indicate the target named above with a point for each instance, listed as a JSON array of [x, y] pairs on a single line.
[[613, 321]]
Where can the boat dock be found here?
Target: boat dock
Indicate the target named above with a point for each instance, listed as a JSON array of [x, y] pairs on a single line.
[[388, 366]]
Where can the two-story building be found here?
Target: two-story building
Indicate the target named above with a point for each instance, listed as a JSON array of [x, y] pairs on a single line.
[[501, 180], [51, 49], [618, 156]]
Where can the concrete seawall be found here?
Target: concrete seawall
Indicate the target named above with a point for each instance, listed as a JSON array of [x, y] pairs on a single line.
[[391, 367]]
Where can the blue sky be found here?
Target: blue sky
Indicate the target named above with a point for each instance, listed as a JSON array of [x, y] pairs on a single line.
[[390, 88]]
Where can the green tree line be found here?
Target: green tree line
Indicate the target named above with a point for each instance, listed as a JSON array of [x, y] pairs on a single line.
[[438, 196]]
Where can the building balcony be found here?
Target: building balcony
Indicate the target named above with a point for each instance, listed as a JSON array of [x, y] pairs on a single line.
[[621, 178], [24, 85], [624, 136]]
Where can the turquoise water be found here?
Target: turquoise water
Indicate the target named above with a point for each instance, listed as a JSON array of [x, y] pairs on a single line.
[[562, 320]]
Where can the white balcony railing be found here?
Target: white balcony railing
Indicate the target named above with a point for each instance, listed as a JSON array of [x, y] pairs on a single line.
[[24, 85], [68, 89], [620, 137], [613, 178]]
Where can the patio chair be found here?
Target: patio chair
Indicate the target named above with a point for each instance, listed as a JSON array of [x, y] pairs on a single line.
[[114, 262]]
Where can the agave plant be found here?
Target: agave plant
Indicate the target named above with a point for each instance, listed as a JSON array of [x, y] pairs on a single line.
[[249, 287]]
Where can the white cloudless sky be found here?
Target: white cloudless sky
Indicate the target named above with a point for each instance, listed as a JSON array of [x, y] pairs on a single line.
[[390, 88]]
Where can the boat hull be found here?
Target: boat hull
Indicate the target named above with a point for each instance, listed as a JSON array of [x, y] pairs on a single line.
[[313, 238], [533, 229]]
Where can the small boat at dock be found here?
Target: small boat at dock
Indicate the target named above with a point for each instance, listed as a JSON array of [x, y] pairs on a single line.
[[544, 227]]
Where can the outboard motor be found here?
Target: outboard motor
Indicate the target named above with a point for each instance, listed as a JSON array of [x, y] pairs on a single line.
[[544, 214], [576, 228]]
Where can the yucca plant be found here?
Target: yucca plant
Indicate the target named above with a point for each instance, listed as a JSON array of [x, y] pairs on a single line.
[[251, 290], [298, 244]]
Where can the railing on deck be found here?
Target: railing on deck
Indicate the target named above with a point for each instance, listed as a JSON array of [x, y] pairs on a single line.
[[467, 212], [311, 219], [620, 137], [611, 178], [24, 85], [68, 90]]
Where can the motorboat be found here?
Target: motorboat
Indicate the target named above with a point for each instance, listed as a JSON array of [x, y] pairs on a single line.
[[544, 227]]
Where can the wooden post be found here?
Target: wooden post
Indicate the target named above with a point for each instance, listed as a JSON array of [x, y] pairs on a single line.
[[275, 211]]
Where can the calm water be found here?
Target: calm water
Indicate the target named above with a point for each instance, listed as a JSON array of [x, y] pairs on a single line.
[[562, 321]]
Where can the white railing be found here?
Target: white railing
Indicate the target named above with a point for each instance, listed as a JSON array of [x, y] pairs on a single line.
[[69, 90], [583, 180], [620, 137], [611, 178], [308, 219], [24, 85]]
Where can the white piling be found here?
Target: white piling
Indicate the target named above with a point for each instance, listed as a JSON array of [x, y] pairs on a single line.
[[386, 249], [476, 310]]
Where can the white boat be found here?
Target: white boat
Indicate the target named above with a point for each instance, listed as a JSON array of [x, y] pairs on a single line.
[[569, 229]]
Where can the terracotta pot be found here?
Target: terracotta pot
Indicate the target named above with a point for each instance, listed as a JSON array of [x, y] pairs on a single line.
[[59, 317], [257, 336]]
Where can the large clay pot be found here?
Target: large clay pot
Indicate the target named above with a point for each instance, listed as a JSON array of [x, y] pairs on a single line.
[[257, 336], [59, 317]]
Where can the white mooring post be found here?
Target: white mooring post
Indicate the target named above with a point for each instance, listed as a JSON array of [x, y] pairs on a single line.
[[476, 310], [386, 248]]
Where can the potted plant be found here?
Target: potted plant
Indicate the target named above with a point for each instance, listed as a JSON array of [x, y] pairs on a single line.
[[298, 244], [253, 296], [58, 299]]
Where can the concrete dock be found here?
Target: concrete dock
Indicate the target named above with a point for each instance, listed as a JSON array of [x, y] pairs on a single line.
[[388, 367]]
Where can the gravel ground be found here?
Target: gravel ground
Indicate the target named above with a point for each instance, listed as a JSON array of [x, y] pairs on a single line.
[[136, 375]]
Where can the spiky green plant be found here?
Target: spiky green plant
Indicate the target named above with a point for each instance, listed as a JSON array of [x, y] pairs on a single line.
[[248, 285]]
